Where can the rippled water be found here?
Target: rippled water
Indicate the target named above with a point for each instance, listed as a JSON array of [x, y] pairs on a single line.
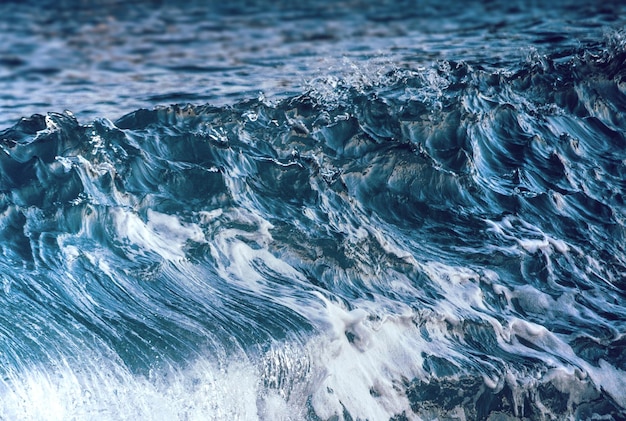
[[314, 211], [108, 58]]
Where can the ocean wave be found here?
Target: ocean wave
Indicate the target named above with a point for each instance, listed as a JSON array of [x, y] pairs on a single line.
[[446, 242]]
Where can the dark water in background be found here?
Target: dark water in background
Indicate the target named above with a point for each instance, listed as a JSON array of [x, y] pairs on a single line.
[[108, 58], [394, 210]]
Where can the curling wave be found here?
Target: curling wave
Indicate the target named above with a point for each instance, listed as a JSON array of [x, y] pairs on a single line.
[[444, 243]]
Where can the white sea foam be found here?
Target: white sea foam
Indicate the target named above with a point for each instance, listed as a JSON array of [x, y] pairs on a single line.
[[162, 234]]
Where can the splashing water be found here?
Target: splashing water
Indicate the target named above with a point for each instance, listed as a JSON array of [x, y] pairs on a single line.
[[442, 241]]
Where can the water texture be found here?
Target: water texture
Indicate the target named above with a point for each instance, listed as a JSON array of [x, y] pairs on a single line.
[[394, 211]]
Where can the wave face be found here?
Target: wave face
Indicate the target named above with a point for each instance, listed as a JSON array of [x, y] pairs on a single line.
[[441, 243]]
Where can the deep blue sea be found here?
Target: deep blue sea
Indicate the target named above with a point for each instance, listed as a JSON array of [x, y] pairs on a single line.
[[308, 210]]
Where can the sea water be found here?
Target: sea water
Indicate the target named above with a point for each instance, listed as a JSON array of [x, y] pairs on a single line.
[[312, 211]]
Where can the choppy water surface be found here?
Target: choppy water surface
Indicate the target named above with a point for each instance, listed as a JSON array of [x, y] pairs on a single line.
[[108, 58], [314, 211]]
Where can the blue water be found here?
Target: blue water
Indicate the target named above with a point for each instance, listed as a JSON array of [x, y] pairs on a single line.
[[312, 211]]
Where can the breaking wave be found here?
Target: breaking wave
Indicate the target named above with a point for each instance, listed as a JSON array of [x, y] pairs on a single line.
[[446, 243]]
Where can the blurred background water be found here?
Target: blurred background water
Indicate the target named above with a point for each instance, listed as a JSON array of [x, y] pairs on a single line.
[[107, 58]]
